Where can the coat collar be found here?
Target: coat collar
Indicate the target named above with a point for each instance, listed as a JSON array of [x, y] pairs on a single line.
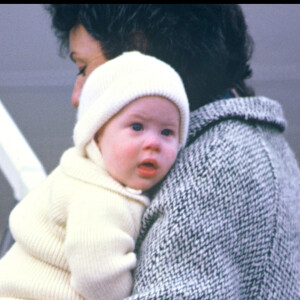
[[260, 109]]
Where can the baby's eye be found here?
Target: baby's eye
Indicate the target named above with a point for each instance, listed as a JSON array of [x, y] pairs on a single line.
[[166, 132], [82, 71], [137, 127]]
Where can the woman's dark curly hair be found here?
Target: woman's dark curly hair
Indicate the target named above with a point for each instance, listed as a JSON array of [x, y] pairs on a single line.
[[208, 44]]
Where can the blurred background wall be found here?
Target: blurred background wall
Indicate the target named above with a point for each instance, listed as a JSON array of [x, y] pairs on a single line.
[[36, 83]]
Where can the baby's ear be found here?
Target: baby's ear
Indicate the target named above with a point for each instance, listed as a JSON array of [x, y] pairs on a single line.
[[97, 137]]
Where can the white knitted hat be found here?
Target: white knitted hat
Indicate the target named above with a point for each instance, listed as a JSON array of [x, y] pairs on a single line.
[[121, 80]]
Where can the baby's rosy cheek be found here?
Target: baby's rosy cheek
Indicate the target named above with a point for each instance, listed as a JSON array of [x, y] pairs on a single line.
[[127, 152], [172, 153]]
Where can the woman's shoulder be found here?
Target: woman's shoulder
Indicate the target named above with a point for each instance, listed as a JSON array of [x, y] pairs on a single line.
[[236, 127], [231, 161], [224, 140]]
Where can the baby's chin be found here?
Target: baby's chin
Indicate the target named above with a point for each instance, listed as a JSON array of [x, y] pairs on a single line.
[[144, 185]]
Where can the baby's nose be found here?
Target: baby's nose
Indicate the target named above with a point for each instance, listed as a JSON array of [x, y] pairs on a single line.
[[152, 142]]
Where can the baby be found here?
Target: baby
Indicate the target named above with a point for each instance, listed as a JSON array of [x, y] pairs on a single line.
[[75, 233]]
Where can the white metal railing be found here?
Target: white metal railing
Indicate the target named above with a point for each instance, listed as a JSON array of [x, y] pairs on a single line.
[[18, 163]]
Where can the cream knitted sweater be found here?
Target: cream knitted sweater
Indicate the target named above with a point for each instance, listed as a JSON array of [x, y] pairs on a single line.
[[75, 236]]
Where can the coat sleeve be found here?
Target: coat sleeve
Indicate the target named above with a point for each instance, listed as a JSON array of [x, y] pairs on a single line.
[[209, 232], [99, 244]]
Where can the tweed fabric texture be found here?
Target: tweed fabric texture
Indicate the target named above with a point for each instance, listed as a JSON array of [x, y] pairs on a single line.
[[225, 222]]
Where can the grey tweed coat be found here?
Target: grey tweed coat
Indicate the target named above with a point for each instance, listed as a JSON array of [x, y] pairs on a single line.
[[225, 222]]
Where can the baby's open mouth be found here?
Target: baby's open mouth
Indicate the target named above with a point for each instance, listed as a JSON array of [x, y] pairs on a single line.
[[148, 168], [148, 165]]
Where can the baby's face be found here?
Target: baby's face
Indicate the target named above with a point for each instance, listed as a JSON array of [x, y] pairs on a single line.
[[140, 143]]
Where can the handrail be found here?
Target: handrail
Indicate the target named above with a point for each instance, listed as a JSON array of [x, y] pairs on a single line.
[[19, 164], [18, 161]]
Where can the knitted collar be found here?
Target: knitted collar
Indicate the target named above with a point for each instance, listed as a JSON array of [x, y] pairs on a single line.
[[248, 108], [83, 169]]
